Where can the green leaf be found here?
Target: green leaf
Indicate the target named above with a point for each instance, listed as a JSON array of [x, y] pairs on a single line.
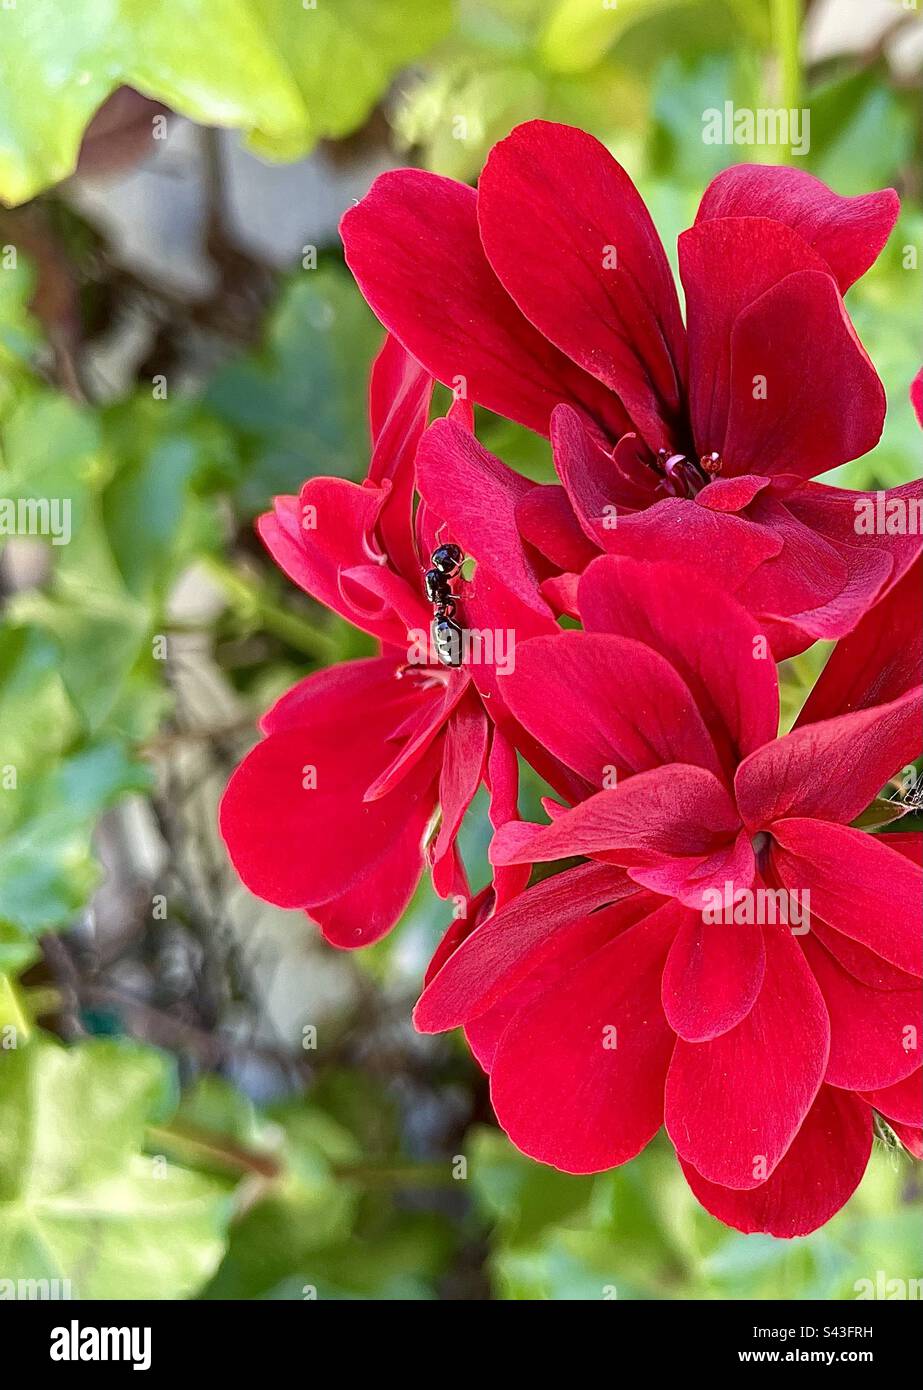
[[148, 508], [36, 719], [308, 1207], [342, 55], [860, 132], [286, 73], [47, 870], [51, 449], [524, 1196], [880, 812], [19, 335], [292, 423], [13, 1022], [79, 1201], [579, 32], [214, 63], [17, 949]]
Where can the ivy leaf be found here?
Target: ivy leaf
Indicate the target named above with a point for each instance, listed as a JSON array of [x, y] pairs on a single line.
[[79, 1200], [284, 72], [47, 870], [36, 720], [214, 63], [342, 55], [51, 453]]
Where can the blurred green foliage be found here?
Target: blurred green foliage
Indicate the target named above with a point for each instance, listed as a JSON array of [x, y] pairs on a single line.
[[110, 1176], [287, 74]]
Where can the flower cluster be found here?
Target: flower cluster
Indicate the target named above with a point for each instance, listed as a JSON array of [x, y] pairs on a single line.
[[732, 948]]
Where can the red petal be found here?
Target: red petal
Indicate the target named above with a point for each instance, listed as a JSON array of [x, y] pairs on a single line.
[[818, 409], [508, 945], [916, 396], [826, 576], [414, 737], [591, 477], [572, 946], [368, 908], [547, 521], [366, 690], [477, 495], [337, 560], [577, 1080], [817, 1176], [477, 909], [734, 1104], [691, 532], [711, 641], [463, 758], [798, 775], [414, 247], [674, 828], [879, 660], [554, 208], [503, 782], [907, 842], [860, 961], [399, 399], [903, 1102], [858, 885], [598, 701], [848, 232], [299, 846], [397, 387], [726, 265], [870, 1029], [712, 978]]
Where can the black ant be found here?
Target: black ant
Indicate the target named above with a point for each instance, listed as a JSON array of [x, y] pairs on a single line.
[[446, 561]]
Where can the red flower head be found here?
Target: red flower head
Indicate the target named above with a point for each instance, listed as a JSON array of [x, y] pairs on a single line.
[[335, 810], [547, 295], [736, 959]]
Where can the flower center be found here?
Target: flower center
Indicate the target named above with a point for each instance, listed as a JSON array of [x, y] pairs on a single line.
[[681, 476], [761, 842]]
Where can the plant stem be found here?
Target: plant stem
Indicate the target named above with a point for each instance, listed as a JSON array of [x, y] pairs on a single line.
[[251, 603], [411, 1175], [786, 32], [213, 1149], [222, 1151]]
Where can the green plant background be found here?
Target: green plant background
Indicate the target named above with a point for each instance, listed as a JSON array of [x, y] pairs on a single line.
[[150, 1149]]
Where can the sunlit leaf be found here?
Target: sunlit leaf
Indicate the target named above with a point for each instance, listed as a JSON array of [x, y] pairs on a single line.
[[79, 1199]]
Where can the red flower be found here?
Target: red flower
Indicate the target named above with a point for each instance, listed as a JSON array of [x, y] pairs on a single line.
[[613, 997], [335, 810], [547, 297]]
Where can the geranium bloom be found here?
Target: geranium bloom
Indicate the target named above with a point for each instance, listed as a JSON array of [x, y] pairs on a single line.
[[334, 811], [547, 297], [610, 999]]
